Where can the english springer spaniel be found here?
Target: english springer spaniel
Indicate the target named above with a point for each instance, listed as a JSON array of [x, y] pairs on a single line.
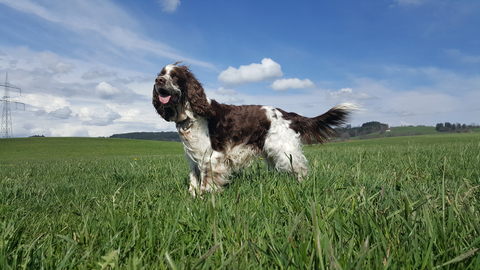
[[219, 138]]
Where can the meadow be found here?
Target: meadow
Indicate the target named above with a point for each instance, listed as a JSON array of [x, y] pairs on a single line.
[[91, 203]]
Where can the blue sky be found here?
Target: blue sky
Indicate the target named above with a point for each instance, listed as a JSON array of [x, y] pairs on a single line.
[[86, 68]]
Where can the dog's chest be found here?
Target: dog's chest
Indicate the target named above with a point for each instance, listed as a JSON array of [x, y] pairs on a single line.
[[195, 138]]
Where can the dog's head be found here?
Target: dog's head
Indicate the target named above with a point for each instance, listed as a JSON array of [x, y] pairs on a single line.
[[177, 92]]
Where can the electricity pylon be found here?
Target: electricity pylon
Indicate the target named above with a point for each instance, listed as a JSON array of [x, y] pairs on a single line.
[[6, 129]]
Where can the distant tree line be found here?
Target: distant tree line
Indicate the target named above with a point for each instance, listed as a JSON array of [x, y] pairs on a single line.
[[366, 128], [171, 136], [457, 127]]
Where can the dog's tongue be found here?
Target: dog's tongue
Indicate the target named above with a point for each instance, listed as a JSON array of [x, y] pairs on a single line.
[[164, 99]]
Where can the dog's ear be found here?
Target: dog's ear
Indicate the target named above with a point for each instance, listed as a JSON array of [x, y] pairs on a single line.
[[196, 95]]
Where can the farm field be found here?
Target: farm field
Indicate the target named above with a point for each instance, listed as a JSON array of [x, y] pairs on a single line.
[[91, 203]]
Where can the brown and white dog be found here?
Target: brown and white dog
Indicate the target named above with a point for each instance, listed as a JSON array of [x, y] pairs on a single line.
[[219, 138]]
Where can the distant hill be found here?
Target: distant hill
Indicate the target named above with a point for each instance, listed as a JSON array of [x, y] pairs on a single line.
[[366, 132], [170, 136], [400, 132], [382, 131]]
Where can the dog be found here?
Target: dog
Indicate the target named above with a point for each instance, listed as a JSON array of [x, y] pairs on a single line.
[[220, 138]]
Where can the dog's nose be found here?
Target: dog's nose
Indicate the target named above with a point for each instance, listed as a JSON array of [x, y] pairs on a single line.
[[159, 80]]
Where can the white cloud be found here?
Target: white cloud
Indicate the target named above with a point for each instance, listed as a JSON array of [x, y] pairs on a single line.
[[61, 93], [45, 102], [235, 100], [102, 118], [132, 115], [267, 70], [106, 90], [169, 6], [96, 74], [63, 113], [347, 94], [411, 2], [84, 112], [224, 95], [54, 101], [39, 112], [451, 97], [67, 130], [283, 85], [52, 61], [103, 26], [463, 57], [225, 92]]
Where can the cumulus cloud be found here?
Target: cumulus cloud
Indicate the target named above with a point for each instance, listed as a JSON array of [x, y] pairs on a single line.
[[40, 112], [44, 102], [106, 90], [69, 129], [229, 96], [99, 118], [169, 6], [255, 72], [119, 93], [53, 63], [96, 74], [53, 100], [235, 100], [37, 130], [348, 94], [283, 85], [225, 92], [13, 64], [132, 115], [63, 113]]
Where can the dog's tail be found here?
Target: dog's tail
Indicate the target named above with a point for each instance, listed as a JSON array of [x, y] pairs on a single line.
[[321, 128]]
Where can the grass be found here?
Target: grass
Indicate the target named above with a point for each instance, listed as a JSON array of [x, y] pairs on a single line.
[[424, 130], [392, 203], [48, 149]]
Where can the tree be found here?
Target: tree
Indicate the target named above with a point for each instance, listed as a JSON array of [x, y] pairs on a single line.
[[456, 127], [345, 136], [383, 129], [439, 127]]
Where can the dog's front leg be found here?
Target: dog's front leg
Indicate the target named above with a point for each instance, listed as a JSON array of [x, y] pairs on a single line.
[[194, 188]]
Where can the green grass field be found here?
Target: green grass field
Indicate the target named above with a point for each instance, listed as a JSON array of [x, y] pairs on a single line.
[[390, 203]]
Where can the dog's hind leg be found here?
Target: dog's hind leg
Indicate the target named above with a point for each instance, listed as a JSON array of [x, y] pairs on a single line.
[[292, 161], [214, 173], [283, 146]]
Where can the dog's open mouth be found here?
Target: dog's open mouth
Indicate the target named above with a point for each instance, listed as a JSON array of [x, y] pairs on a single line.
[[166, 98]]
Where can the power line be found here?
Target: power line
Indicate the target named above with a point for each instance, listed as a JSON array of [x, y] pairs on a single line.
[[6, 125]]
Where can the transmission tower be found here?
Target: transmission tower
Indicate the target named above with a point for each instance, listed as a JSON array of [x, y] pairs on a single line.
[[6, 130]]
